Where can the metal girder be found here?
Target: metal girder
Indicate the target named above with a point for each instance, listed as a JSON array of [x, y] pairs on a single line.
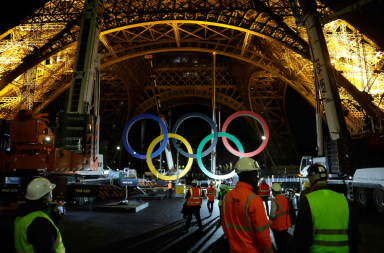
[[185, 93], [247, 40], [176, 33]]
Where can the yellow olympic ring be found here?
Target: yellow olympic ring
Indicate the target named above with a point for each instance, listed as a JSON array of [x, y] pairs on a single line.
[[157, 140]]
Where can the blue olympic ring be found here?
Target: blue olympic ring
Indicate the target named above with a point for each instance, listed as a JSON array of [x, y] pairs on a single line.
[[204, 117], [128, 127]]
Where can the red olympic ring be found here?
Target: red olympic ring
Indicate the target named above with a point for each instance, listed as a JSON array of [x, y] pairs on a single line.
[[256, 117]]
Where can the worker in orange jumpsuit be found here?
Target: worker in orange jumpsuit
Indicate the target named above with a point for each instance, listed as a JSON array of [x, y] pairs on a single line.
[[279, 219], [244, 221], [211, 194], [264, 192]]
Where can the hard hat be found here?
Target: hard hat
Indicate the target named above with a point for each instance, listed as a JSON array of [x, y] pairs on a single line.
[[306, 184], [38, 188], [317, 172], [246, 164], [222, 187], [276, 187], [212, 183], [262, 179], [194, 182]]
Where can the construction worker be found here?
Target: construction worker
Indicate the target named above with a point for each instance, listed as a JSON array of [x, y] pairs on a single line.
[[264, 193], [279, 219], [211, 194], [226, 185], [35, 230], [170, 190], [325, 223], [194, 198], [222, 193], [244, 221]]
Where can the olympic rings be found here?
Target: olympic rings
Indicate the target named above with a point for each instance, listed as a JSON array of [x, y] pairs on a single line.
[[200, 162], [256, 117], [199, 154], [150, 149], [128, 127], [204, 117]]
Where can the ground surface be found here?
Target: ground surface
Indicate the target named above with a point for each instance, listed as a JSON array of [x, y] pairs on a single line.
[[159, 228]]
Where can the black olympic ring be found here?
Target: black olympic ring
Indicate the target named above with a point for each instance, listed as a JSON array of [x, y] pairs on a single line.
[[202, 116]]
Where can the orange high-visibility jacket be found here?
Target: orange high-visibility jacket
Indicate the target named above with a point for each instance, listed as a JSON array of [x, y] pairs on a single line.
[[211, 193], [282, 220], [264, 189], [169, 186], [195, 198], [244, 221]]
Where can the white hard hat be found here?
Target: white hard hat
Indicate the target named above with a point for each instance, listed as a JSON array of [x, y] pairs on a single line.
[[38, 188], [262, 179], [194, 181], [246, 164], [276, 187], [222, 187]]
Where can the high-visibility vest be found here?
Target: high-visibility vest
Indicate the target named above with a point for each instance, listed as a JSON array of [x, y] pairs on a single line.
[[195, 197], [221, 196], [21, 226], [169, 186], [211, 193], [264, 189], [330, 216], [282, 220], [244, 221]]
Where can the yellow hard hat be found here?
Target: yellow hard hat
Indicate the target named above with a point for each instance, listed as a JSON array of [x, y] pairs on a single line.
[[306, 184], [246, 164], [276, 187]]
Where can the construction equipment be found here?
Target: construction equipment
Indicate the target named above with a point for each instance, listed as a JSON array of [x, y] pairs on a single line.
[[349, 161], [70, 157]]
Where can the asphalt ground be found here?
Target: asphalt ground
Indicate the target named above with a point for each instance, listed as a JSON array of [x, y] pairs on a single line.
[[159, 228]]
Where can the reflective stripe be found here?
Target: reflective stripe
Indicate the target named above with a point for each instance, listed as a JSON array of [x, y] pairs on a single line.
[[247, 229], [331, 243], [280, 207], [197, 202], [250, 197], [58, 241], [330, 231], [268, 250]]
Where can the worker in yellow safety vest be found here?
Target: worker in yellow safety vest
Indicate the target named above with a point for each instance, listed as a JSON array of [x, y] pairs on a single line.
[[35, 229], [325, 223], [170, 189]]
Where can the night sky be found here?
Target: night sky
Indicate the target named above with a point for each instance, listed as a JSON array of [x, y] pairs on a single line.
[[300, 113]]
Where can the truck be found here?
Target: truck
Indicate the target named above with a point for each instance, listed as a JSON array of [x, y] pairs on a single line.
[[354, 162], [69, 155], [364, 182]]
